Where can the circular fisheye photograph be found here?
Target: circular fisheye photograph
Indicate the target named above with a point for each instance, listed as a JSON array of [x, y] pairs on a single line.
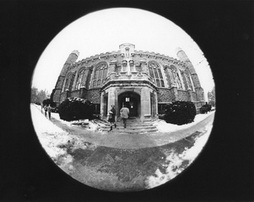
[[123, 100]]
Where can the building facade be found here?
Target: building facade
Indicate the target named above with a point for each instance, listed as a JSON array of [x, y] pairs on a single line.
[[143, 81]]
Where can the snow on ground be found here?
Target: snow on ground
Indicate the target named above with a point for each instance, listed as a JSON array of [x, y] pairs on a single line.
[[48, 134], [175, 161], [92, 126], [163, 126], [51, 137]]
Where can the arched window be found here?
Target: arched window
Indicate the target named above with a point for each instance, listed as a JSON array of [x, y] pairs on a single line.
[[68, 82], [187, 74], [176, 77], [155, 73], [100, 74], [81, 78]]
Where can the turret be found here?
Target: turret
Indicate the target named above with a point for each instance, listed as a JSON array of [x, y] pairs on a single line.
[[56, 93], [183, 57], [198, 89], [71, 59]]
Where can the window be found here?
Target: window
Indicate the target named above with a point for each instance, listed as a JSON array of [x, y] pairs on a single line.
[[176, 77], [189, 80], [184, 81], [100, 74], [68, 82], [155, 73]]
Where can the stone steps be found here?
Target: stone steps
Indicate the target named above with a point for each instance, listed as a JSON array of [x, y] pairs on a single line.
[[133, 127]]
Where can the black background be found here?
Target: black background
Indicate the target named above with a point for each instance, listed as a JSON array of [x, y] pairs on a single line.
[[223, 171]]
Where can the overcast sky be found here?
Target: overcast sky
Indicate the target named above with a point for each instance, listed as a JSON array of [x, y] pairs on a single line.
[[103, 31]]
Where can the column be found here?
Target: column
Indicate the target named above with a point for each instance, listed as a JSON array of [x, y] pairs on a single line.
[[145, 103], [102, 105], [156, 104], [111, 98]]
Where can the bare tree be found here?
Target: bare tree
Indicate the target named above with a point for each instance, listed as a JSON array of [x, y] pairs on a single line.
[[211, 97], [38, 96]]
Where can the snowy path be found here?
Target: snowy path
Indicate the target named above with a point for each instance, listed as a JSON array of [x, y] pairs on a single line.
[[131, 141]]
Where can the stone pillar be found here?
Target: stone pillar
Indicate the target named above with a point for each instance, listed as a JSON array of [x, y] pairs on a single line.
[[116, 104], [102, 105], [111, 97], [145, 103], [174, 92], [191, 95], [156, 104]]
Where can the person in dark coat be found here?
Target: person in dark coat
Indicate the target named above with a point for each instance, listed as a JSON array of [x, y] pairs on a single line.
[[45, 110], [112, 117], [49, 111]]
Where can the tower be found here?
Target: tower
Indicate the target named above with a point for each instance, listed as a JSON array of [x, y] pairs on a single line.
[[56, 93], [198, 89]]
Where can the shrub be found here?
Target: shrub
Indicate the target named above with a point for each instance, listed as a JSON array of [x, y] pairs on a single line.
[[180, 112], [75, 108], [205, 108]]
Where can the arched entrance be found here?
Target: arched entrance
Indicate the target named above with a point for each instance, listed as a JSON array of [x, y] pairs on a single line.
[[132, 101]]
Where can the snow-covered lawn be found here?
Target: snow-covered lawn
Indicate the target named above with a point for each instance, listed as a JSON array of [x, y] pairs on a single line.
[[163, 126], [175, 160], [53, 137]]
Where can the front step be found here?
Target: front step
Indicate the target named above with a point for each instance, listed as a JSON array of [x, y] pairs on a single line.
[[134, 126]]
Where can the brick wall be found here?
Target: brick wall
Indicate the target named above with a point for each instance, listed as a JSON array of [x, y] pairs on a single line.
[[165, 95], [94, 96], [183, 95]]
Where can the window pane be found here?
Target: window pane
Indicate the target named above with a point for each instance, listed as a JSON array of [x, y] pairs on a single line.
[[156, 73], [162, 83], [151, 71], [158, 82], [160, 74]]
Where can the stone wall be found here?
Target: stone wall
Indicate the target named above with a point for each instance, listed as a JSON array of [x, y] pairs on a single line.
[[75, 93], [93, 95], [63, 96], [183, 95], [165, 95]]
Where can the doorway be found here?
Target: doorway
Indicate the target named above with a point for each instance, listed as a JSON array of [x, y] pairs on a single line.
[[132, 101]]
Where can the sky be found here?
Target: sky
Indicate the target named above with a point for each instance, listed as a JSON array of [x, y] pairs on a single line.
[[103, 31]]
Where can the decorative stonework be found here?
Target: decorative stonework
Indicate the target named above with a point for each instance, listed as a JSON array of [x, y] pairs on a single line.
[[165, 95], [183, 95], [93, 95], [168, 78]]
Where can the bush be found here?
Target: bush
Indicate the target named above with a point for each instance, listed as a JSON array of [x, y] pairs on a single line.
[[75, 108], [205, 108], [180, 112]]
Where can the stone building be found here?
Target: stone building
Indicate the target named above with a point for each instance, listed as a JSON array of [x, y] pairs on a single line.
[[144, 81]]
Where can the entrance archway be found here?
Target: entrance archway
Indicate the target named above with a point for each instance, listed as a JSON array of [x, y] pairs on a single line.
[[132, 101]]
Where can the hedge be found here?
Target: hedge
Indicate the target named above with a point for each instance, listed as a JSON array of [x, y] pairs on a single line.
[[180, 112], [76, 108]]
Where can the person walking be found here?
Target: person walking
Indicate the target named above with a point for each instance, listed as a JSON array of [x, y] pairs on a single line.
[[112, 115], [49, 111], [45, 110], [124, 112]]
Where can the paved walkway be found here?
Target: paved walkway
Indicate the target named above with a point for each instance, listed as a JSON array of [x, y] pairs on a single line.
[[135, 141]]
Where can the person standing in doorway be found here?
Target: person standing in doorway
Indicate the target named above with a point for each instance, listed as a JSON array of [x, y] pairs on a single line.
[[124, 112]]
